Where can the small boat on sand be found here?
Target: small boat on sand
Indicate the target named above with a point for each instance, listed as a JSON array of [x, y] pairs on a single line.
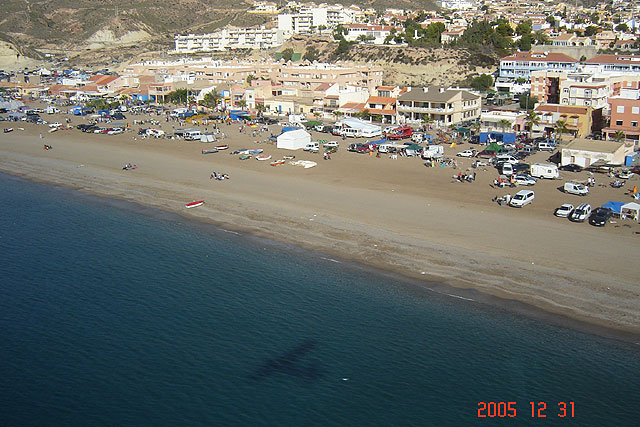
[[304, 163], [256, 151], [194, 204], [221, 147], [245, 157], [209, 151], [7, 130], [289, 157], [278, 162], [263, 157]]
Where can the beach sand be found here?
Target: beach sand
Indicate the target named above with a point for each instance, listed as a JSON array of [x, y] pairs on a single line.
[[390, 214]]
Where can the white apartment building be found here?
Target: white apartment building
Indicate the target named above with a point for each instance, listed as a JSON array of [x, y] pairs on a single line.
[[309, 18], [457, 4], [376, 33], [233, 38]]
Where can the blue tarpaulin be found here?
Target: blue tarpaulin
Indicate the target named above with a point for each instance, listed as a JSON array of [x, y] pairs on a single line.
[[380, 141], [288, 128], [614, 206]]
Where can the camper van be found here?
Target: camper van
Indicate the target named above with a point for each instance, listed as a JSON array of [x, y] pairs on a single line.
[[400, 133], [433, 152], [575, 188], [191, 135], [544, 170]]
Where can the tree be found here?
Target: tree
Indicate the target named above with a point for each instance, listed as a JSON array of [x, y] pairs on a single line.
[[527, 102], [251, 78], [261, 109], [287, 54], [525, 42], [532, 120], [211, 99], [591, 30], [311, 54], [476, 126], [524, 28], [482, 82], [619, 136], [551, 20], [177, 96], [541, 37], [561, 128], [343, 48], [622, 28], [504, 124], [242, 103], [504, 29]]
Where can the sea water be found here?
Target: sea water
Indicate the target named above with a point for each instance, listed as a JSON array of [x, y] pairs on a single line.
[[115, 314]]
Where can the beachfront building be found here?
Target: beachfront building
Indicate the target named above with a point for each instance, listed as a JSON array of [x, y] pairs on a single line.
[[577, 120], [613, 64], [230, 38], [502, 121], [585, 152], [457, 4], [522, 64], [442, 106], [625, 116]]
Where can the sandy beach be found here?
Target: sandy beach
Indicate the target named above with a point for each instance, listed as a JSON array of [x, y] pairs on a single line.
[[391, 214]]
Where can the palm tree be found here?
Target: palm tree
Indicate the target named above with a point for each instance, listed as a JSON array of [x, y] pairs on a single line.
[[242, 103], [532, 119], [619, 136], [476, 127], [504, 123], [561, 128]]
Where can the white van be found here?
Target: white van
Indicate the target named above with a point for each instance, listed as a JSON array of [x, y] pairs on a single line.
[[506, 158], [546, 146], [544, 170], [522, 198], [575, 188], [507, 169], [313, 147]]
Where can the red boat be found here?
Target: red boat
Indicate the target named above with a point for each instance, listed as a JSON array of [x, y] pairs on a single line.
[[194, 204], [221, 147]]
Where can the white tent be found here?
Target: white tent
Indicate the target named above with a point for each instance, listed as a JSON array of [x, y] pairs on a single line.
[[293, 139], [631, 210], [360, 128]]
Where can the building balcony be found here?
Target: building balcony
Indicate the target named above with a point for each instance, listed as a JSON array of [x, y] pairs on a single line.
[[424, 109]]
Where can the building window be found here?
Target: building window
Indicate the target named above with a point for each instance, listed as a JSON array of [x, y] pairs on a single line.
[[635, 110], [634, 124], [620, 109], [618, 122]]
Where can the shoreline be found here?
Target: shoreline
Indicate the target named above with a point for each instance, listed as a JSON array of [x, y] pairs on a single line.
[[422, 285], [573, 297]]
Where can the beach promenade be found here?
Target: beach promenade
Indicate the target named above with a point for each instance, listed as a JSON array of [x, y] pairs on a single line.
[[396, 215]]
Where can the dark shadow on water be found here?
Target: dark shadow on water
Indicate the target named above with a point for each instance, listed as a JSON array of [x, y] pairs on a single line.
[[289, 363]]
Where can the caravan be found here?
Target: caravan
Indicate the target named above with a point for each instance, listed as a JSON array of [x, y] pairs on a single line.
[[544, 170], [356, 128]]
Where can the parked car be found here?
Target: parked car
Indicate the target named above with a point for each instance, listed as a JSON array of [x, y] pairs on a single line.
[[525, 179], [625, 174], [331, 144], [600, 216], [522, 198], [313, 147], [575, 188], [571, 168], [466, 153], [564, 211], [521, 167], [484, 154], [581, 213]]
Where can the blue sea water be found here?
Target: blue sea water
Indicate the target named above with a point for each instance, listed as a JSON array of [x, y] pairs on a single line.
[[115, 314]]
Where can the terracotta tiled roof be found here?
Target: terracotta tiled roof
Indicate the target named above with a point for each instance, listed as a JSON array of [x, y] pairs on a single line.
[[564, 109]]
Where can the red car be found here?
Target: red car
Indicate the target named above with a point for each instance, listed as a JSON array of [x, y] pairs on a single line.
[[401, 132], [484, 154]]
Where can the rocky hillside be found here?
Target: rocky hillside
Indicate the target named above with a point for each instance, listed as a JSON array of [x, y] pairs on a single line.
[[404, 65]]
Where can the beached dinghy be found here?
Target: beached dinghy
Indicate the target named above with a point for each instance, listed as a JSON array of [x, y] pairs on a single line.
[[194, 204], [209, 151], [304, 163], [221, 147], [263, 157], [278, 162], [245, 157], [256, 151]]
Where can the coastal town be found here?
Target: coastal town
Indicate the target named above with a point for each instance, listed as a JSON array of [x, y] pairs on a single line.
[[291, 147]]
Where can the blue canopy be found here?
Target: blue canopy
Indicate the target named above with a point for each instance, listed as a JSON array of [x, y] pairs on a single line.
[[614, 206], [288, 128], [380, 141]]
